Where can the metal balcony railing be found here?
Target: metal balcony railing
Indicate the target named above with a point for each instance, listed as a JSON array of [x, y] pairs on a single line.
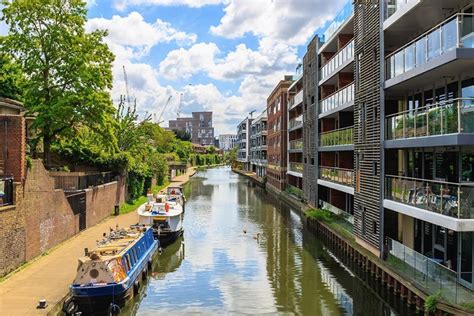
[[338, 98], [428, 272], [446, 198], [447, 117], [336, 61], [336, 137], [296, 144], [337, 175], [455, 32], [296, 167], [296, 122]]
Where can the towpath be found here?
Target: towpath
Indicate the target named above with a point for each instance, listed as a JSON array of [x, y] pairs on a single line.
[[48, 277]]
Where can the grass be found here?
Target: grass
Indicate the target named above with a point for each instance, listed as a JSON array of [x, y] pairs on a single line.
[[335, 222], [131, 206]]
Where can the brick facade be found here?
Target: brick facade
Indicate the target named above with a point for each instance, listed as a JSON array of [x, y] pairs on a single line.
[[277, 114], [13, 146]]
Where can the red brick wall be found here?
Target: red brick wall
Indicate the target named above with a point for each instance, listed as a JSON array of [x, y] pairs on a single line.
[[13, 141], [48, 216], [345, 78], [327, 90], [12, 241], [100, 201], [343, 39]]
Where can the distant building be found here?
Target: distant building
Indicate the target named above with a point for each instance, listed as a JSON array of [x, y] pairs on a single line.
[[227, 141], [243, 143], [199, 126], [277, 114], [258, 145], [216, 142]]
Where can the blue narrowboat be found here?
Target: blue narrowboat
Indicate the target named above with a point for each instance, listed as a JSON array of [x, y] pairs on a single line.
[[112, 273]]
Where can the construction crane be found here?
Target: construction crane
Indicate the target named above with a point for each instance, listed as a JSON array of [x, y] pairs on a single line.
[[126, 84], [179, 104], [251, 113], [158, 121]]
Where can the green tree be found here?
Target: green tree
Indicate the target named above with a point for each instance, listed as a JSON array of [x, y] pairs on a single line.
[[69, 70], [11, 78], [183, 135]]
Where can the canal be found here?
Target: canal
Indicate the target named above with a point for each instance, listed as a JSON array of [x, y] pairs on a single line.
[[245, 252]]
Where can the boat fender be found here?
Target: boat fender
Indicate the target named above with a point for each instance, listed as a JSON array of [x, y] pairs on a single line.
[[70, 307], [113, 310], [144, 273], [136, 287], [149, 265]]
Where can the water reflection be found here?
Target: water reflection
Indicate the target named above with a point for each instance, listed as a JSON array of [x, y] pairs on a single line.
[[227, 269]]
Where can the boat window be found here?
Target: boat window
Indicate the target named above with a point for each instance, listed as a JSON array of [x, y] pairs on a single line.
[[134, 251], [125, 264], [130, 263]]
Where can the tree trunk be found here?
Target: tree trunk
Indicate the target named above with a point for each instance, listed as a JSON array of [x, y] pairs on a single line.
[[47, 151]]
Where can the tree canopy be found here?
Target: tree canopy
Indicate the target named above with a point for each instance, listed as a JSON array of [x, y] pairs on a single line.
[[69, 70]]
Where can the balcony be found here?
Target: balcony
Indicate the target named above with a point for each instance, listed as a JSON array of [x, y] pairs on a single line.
[[454, 116], [337, 101], [428, 273], [296, 100], [449, 199], [337, 175], [337, 62], [341, 18], [295, 123], [296, 145], [439, 46], [339, 137], [296, 167], [392, 6]]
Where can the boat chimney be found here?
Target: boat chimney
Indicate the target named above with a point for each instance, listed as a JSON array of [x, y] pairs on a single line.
[[86, 252]]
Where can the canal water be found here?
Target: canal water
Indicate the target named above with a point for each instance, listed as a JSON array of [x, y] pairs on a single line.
[[244, 252]]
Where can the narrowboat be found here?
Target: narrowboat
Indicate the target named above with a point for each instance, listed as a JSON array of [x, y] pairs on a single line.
[[175, 193], [164, 216], [113, 272]]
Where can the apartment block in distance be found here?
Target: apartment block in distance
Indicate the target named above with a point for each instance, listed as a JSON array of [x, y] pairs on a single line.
[[243, 143], [395, 144], [227, 141], [258, 145], [277, 114], [199, 126], [295, 132]]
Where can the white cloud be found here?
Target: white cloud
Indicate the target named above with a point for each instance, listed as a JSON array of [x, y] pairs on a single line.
[[291, 22], [123, 4], [134, 32], [182, 63]]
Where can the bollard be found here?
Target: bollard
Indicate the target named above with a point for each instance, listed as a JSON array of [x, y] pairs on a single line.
[[116, 210]]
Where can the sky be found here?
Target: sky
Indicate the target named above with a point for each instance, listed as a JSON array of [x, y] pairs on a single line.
[[224, 56]]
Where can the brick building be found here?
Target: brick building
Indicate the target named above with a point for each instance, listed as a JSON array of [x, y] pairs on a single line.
[[199, 126], [277, 116]]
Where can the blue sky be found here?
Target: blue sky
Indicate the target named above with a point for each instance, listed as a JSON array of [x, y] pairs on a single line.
[[223, 56]]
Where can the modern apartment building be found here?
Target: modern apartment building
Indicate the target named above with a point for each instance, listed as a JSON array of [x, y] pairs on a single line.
[[258, 145], [393, 85], [277, 114], [199, 126], [295, 131], [227, 141], [243, 143]]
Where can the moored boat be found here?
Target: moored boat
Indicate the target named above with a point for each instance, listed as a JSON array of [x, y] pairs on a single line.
[[164, 215], [175, 193], [110, 274]]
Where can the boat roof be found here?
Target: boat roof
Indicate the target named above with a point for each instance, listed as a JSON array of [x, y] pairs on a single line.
[[115, 244], [174, 210]]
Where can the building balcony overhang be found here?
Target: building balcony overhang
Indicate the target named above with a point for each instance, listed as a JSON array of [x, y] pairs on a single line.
[[336, 148], [294, 128], [449, 64], [346, 66], [295, 150], [336, 186], [346, 107], [296, 174], [456, 224], [431, 141]]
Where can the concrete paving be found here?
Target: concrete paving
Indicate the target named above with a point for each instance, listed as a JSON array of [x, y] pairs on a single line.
[[48, 277]]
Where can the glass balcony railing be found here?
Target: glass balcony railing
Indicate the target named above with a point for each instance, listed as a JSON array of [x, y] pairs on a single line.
[[294, 101], [447, 117], [339, 98], [345, 54], [295, 167], [337, 137], [392, 6], [296, 122], [296, 144], [450, 199], [337, 175], [455, 32], [427, 272], [340, 18]]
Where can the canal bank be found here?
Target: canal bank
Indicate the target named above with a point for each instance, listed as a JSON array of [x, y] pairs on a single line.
[[344, 243], [49, 276]]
